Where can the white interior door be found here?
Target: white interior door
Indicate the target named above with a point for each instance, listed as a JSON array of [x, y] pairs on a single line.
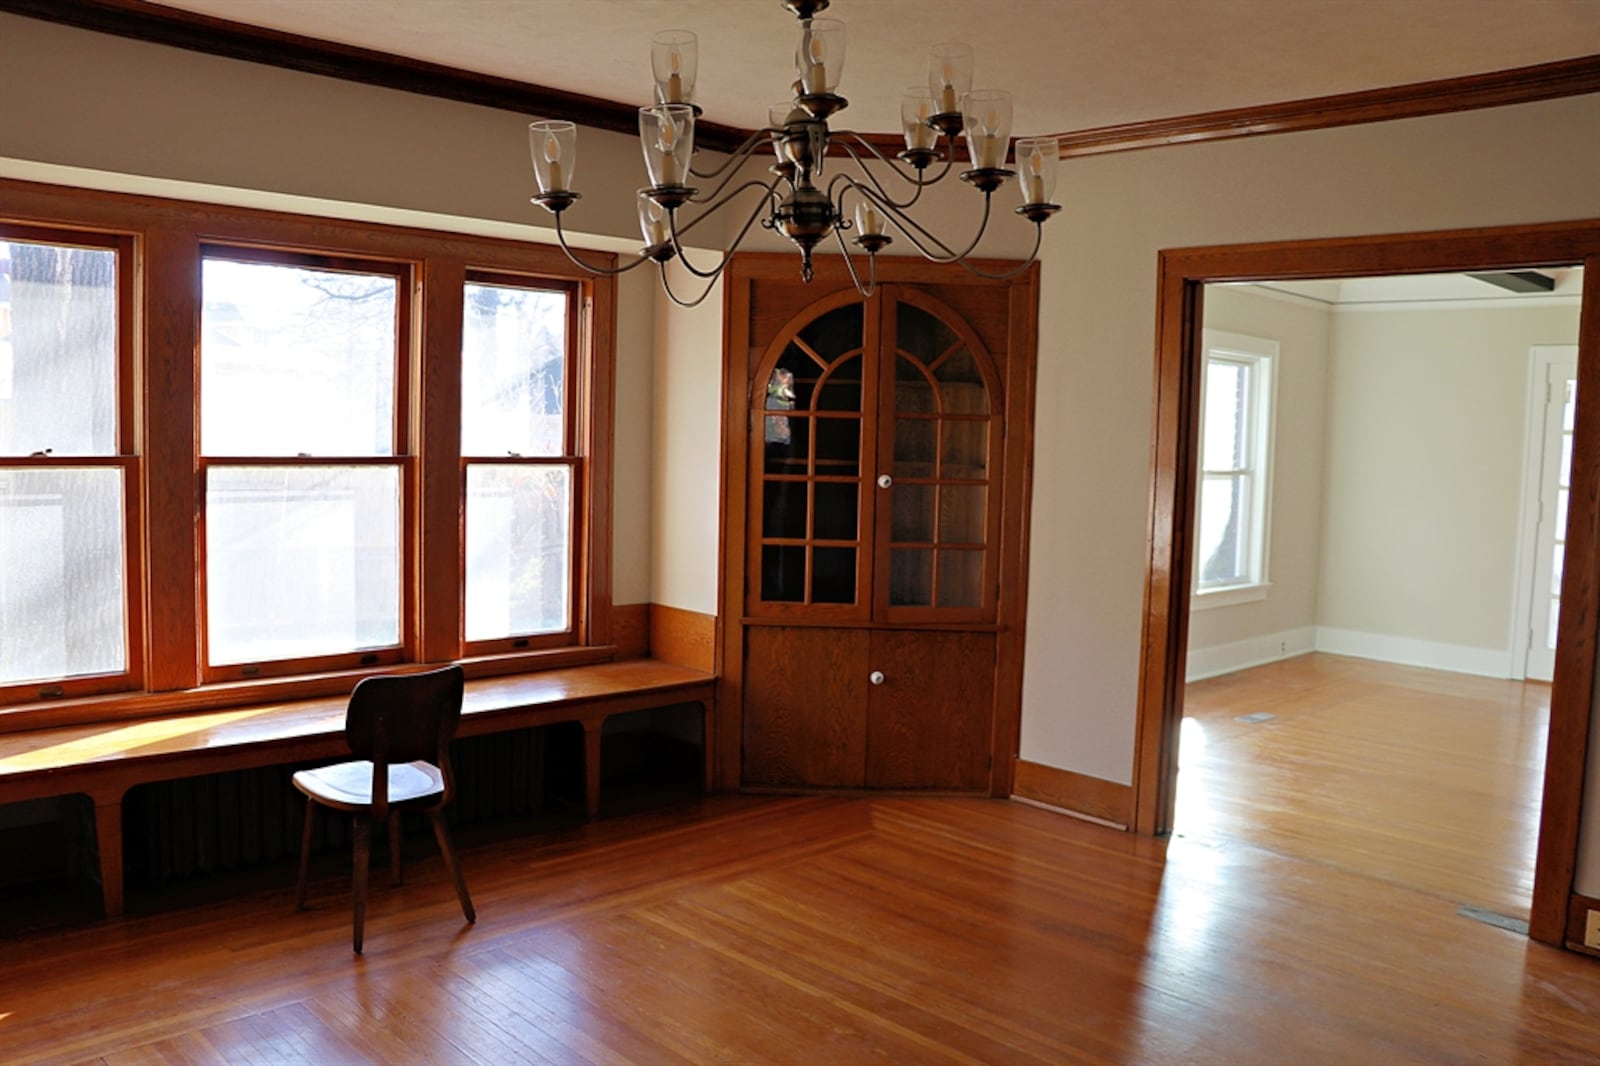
[[1551, 411]]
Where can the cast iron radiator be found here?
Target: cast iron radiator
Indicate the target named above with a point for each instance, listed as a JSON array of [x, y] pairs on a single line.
[[174, 830]]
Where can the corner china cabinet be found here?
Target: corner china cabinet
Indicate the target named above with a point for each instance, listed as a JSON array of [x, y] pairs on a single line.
[[876, 460]]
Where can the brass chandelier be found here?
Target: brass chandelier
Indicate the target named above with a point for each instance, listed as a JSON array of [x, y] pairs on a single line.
[[798, 201]]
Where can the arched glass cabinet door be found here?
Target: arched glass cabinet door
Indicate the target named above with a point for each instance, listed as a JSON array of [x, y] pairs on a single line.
[[940, 452], [807, 546]]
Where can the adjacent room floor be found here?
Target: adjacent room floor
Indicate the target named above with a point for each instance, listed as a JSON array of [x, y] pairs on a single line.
[[1422, 779]]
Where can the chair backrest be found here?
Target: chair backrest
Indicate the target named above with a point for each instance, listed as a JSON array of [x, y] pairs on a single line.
[[398, 718]]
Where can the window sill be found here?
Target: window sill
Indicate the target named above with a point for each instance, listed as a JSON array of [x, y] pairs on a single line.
[[226, 695], [1228, 597]]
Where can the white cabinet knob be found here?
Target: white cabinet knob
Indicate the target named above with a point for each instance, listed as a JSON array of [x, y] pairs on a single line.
[[885, 481], [876, 677]]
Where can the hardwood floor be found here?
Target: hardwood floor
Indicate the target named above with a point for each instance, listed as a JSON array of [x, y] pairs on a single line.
[[816, 930], [1425, 780]]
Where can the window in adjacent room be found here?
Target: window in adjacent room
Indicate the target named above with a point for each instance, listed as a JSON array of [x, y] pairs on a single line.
[[68, 476], [302, 460], [1235, 469], [521, 465]]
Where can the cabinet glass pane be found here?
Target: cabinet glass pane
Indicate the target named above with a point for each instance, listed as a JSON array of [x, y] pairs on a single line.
[[792, 381], [835, 334], [840, 390], [960, 578], [920, 334], [963, 448], [783, 511], [962, 385], [783, 573], [58, 359], [838, 446], [833, 578], [914, 446], [788, 444], [836, 512], [910, 577], [913, 513], [961, 514], [913, 390]]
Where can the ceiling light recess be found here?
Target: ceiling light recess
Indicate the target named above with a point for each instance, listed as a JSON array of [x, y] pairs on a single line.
[[798, 201]]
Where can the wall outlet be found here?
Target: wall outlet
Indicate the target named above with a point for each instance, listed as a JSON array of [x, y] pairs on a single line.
[[1591, 937]]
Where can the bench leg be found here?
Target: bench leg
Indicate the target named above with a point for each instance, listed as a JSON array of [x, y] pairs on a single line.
[[591, 767], [108, 841]]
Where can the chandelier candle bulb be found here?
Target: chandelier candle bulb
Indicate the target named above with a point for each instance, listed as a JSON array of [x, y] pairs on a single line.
[[988, 121], [916, 107], [652, 221], [554, 146], [819, 57], [869, 223], [674, 57], [949, 75], [1037, 158]]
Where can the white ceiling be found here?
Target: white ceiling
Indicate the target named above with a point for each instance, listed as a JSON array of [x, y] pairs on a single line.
[[1439, 290], [1071, 64]]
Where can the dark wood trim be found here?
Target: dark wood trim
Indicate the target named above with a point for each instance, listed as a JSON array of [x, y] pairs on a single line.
[[309, 55], [440, 516], [686, 638], [1182, 275], [1578, 909], [1577, 641], [1074, 792], [1519, 85], [592, 340], [236, 40]]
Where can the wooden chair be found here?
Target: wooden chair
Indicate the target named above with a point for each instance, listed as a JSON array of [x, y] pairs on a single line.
[[399, 727]]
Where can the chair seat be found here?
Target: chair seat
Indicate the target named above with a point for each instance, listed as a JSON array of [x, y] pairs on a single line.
[[349, 784]]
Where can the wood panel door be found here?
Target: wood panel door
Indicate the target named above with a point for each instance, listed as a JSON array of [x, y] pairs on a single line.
[[928, 716], [867, 708]]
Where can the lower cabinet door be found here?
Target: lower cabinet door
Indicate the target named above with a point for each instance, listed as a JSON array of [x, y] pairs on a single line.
[[863, 708], [930, 713], [805, 692]]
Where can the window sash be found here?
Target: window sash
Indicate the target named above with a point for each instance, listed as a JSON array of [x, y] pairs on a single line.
[[1230, 548]]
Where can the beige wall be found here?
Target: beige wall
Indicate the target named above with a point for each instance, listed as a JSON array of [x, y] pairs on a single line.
[[1091, 475], [1426, 426], [135, 109], [1300, 330]]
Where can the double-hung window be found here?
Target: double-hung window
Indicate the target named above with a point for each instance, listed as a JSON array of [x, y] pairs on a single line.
[[69, 478], [1235, 468], [302, 460], [520, 466]]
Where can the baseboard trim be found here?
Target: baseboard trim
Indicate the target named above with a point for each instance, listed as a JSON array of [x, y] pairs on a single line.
[[1578, 908], [1074, 793], [1221, 659], [1456, 658], [686, 638]]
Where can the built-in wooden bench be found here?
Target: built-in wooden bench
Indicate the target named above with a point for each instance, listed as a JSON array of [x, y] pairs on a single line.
[[103, 761]]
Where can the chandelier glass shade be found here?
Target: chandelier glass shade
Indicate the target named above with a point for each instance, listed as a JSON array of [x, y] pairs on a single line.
[[805, 199]]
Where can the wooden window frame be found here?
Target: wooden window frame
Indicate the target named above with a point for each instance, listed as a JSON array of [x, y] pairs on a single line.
[[574, 398], [399, 457], [125, 458], [165, 241]]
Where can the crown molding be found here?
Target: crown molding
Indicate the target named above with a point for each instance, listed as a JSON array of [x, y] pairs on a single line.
[[143, 21], [1519, 85]]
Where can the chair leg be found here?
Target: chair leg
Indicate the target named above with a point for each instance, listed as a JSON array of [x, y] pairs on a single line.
[[442, 835], [396, 875], [305, 857], [363, 857]]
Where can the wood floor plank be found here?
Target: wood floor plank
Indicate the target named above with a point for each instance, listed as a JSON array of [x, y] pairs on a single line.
[[820, 929]]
